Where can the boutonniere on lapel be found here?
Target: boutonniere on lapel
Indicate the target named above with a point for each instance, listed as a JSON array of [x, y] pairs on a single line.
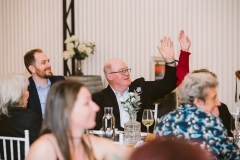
[[131, 104]]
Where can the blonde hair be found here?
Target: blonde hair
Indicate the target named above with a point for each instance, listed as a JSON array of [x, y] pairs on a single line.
[[194, 86], [12, 88]]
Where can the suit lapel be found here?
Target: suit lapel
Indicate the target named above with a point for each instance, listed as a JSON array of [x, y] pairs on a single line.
[[33, 96], [131, 88], [52, 80]]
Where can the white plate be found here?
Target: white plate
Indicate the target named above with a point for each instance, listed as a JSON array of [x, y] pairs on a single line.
[[143, 134], [98, 132], [119, 132]]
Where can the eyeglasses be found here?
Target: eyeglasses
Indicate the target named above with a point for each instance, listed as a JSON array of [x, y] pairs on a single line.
[[123, 72]]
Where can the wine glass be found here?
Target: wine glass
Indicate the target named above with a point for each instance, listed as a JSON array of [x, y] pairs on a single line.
[[147, 118]]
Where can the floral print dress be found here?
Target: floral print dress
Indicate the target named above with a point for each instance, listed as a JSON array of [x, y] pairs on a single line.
[[200, 128]]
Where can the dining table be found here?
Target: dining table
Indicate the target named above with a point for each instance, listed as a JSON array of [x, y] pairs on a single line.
[[118, 138]]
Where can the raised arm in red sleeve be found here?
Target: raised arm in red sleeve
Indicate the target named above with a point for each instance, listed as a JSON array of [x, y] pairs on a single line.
[[183, 63]]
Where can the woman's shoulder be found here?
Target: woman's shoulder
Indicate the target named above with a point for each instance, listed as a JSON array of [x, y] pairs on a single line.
[[25, 117], [47, 140], [44, 147], [48, 137], [110, 149], [20, 111]]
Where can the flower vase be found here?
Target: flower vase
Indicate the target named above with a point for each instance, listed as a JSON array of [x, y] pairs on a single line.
[[132, 130], [79, 69]]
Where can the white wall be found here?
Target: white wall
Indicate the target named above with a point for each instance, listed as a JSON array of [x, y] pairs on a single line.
[[127, 29], [25, 25]]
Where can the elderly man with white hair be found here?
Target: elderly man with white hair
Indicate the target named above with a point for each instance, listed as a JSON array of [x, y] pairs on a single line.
[[120, 85]]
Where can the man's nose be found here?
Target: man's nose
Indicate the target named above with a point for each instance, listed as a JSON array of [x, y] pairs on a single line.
[[48, 64]]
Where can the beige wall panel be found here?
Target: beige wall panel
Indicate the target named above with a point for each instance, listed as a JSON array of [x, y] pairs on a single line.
[[27, 24], [127, 29]]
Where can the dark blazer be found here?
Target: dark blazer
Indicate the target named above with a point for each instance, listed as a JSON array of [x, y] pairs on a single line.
[[151, 90], [20, 119], [226, 118], [33, 100]]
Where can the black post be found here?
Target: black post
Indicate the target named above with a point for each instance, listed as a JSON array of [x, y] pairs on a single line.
[[73, 32], [66, 31]]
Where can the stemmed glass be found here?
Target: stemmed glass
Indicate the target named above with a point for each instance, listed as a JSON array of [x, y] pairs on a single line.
[[147, 118], [235, 126]]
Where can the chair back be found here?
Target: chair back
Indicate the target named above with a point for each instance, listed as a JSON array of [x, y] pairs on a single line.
[[17, 140]]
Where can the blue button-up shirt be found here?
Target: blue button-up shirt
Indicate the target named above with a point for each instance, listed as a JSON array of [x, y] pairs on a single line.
[[124, 116], [42, 94]]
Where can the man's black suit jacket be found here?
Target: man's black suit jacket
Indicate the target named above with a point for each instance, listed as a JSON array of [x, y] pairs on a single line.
[[151, 90], [33, 100], [19, 120]]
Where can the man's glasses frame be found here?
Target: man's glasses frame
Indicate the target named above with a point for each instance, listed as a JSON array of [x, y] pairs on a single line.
[[123, 71]]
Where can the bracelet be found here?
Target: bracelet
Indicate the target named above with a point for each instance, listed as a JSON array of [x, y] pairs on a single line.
[[174, 61]]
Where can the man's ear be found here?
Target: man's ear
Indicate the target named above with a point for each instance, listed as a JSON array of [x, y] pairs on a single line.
[[109, 77], [31, 68]]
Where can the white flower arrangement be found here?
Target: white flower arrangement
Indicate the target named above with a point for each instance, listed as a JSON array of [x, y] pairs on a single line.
[[131, 105], [77, 50]]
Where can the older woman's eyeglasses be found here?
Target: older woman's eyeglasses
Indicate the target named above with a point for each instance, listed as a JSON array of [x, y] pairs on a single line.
[[122, 72]]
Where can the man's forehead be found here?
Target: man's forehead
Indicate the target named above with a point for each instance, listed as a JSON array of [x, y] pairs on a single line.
[[40, 56], [120, 68], [119, 65], [123, 68]]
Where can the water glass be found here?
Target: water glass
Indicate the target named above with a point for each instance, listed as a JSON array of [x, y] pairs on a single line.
[[108, 123]]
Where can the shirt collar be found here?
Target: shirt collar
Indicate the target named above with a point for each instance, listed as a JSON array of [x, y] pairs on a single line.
[[117, 93], [38, 86]]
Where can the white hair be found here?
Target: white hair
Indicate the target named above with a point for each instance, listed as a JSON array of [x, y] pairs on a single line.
[[194, 86], [12, 88]]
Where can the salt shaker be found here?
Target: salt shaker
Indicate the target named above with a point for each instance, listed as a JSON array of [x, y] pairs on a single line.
[[121, 138]]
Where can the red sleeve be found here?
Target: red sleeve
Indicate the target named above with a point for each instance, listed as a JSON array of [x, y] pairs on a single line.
[[183, 66]]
